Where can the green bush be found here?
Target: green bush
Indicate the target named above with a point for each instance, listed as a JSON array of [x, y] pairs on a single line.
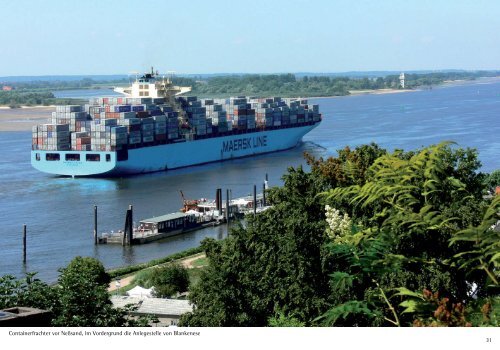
[[168, 280]]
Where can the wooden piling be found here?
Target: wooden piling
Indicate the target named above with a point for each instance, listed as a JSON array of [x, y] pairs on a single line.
[[95, 224], [227, 206], [131, 225], [24, 244], [124, 236], [126, 228], [254, 200], [264, 194], [218, 201]]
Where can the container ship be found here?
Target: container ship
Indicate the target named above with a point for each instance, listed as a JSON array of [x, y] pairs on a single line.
[[154, 127]]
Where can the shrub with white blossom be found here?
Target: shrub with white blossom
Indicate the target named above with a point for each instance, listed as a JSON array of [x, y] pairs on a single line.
[[338, 226]]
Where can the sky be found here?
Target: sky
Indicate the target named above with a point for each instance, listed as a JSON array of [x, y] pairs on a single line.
[[70, 37]]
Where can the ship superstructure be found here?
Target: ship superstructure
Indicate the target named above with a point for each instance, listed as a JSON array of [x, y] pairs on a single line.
[[153, 85]]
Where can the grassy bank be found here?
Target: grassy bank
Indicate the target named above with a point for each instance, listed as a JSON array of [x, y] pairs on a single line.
[[122, 271]]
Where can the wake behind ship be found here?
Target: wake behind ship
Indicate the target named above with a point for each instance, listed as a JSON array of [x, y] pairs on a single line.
[[152, 128]]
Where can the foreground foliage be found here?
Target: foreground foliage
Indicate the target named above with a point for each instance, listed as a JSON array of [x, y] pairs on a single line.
[[272, 268], [412, 238], [406, 239], [80, 299], [84, 300]]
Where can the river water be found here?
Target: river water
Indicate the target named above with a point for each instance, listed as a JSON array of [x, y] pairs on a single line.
[[59, 211]]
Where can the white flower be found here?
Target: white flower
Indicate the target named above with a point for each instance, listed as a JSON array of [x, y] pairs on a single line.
[[338, 226]]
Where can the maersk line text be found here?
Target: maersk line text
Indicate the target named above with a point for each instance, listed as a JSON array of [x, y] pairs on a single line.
[[244, 143]]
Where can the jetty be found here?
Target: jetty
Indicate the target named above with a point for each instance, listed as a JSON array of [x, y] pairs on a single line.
[[195, 215]]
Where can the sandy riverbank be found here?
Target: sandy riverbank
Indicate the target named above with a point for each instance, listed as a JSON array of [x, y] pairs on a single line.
[[379, 91], [368, 92], [23, 119]]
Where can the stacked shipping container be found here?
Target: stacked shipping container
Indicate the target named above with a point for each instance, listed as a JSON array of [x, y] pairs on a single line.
[[115, 123], [51, 137]]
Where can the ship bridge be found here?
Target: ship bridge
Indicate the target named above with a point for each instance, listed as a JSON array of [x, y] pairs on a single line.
[[154, 86]]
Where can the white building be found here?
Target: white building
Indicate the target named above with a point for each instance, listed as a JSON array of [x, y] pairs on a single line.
[[168, 311], [402, 80]]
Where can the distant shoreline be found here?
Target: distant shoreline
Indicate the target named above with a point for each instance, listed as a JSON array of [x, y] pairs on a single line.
[[27, 107], [380, 91], [25, 117], [480, 80], [367, 92]]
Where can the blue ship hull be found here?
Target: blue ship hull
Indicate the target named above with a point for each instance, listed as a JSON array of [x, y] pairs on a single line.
[[168, 156]]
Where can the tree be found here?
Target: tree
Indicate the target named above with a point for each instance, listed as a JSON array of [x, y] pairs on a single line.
[[411, 240], [80, 298], [271, 267], [349, 167], [84, 300], [28, 291], [379, 83], [484, 254], [169, 280], [280, 320], [492, 180]]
